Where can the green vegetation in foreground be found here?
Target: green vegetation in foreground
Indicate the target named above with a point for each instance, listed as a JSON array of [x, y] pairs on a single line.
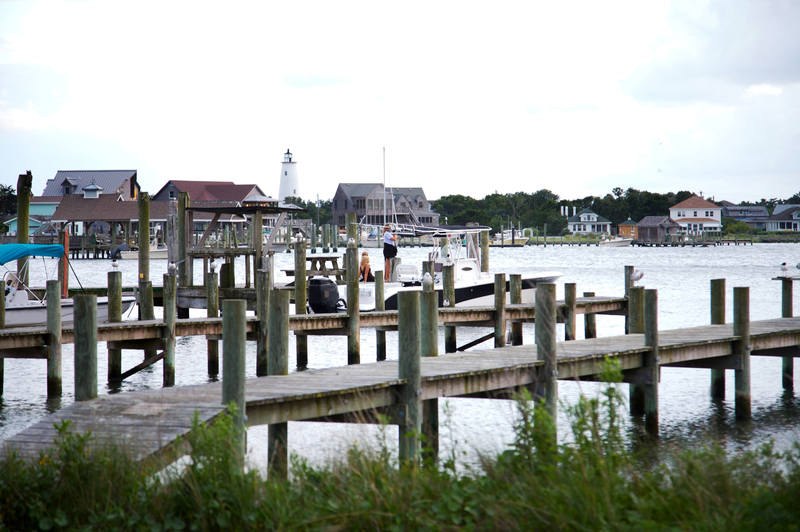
[[593, 483]]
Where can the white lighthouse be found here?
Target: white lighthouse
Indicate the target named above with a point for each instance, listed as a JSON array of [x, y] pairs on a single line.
[[290, 185]]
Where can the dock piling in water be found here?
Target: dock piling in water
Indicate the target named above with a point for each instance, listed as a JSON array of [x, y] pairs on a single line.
[[278, 364], [545, 331], [409, 368], [300, 296], [429, 347], [234, 350], [449, 301], [380, 304], [589, 320], [170, 310], [499, 310], [635, 320], [570, 300], [741, 328], [54, 378], [353, 311], [515, 287], [212, 311], [717, 318], [787, 379], [651, 360], [85, 306]]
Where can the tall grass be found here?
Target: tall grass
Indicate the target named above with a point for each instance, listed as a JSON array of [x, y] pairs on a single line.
[[593, 483]]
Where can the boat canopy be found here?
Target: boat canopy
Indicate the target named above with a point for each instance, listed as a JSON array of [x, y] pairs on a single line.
[[9, 252]]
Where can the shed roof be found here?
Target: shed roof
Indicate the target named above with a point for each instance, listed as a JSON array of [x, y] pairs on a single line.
[[213, 190], [655, 221]]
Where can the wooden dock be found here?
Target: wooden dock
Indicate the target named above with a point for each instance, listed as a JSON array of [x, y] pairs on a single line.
[[149, 422]]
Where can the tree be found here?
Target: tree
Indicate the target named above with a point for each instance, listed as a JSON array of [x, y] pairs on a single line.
[[8, 202]]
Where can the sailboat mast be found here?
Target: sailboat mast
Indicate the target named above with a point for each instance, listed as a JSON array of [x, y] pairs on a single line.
[[384, 185]]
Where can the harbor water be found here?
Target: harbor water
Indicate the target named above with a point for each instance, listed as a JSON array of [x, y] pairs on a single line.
[[471, 427]]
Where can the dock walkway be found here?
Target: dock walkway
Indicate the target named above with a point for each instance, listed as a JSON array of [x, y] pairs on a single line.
[[150, 422]]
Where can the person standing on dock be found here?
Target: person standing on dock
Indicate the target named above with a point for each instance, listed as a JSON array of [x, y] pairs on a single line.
[[389, 249]]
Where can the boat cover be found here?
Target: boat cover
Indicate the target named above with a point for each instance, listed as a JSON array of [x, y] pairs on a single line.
[[9, 252]]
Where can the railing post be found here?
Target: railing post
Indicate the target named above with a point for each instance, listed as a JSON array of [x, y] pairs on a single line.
[[170, 291], [635, 319], [114, 316], [380, 304], [429, 347], [717, 318], [278, 364], [589, 319], [515, 285], [234, 351], [300, 295], [54, 377], [85, 306], [499, 310], [787, 312], [570, 304], [545, 332], [741, 328], [353, 312], [651, 359], [212, 311], [408, 331], [449, 301], [262, 311]]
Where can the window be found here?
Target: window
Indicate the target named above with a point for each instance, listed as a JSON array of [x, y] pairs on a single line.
[[171, 194], [285, 173], [695, 214]]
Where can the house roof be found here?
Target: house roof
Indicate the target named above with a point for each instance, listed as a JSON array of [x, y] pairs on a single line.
[[358, 190], [695, 202], [213, 190], [780, 208], [786, 214], [110, 180], [46, 199], [577, 217], [628, 222], [655, 221], [105, 208], [746, 210]]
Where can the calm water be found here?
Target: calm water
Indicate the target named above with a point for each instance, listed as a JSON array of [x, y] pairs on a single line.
[[681, 275]]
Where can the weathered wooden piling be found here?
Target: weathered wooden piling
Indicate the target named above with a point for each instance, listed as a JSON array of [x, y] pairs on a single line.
[[212, 311], [2, 326], [650, 360], [589, 319], [499, 310], [63, 263], [234, 350], [545, 333], [54, 378], [24, 185], [484, 251], [114, 316], [741, 328], [263, 290], [635, 324], [409, 368], [146, 308], [353, 311], [85, 306], [570, 303], [787, 378], [449, 301], [258, 245], [429, 347], [170, 292], [718, 318], [300, 296], [144, 236], [380, 304], [278, 364], [628, 286], [515, 287]]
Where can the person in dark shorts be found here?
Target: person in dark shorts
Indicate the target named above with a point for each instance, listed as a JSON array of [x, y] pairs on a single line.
[[389, 249]]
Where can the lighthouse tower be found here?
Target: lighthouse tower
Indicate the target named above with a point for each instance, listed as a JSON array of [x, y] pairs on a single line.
[[290, 185]]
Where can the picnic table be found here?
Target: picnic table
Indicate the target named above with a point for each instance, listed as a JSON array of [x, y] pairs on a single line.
[[324, 264]]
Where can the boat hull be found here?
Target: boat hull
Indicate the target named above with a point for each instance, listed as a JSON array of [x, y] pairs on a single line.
[[34, 313], [134, 255], [617, 242]]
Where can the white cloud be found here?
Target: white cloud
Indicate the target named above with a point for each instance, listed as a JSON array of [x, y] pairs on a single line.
[[764, 89]]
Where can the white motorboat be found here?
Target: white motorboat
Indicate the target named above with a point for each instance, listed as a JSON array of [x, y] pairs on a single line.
[[617, 242], [473, 288], [23, 308]]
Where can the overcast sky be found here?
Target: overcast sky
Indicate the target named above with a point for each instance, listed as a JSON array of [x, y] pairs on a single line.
[[466, 97]]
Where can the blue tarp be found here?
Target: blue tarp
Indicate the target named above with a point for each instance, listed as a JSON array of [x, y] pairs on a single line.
[[9, 252]]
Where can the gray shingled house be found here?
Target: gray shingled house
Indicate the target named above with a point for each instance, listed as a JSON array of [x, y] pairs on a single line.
[[373, 204], [656, 228]]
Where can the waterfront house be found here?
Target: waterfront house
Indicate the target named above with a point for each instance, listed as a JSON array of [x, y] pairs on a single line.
[[753, 215], [587, 221], [656, 229], [373, 204], [696, 215], [784, 218]]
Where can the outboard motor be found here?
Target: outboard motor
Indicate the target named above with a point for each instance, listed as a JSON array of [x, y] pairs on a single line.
[[323, 295]]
